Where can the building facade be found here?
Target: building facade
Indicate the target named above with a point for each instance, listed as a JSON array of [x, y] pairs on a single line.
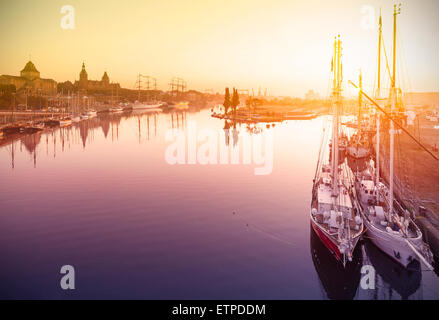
[[30, 81], [89, 85]]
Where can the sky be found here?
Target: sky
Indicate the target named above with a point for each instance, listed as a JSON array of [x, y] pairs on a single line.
[[284, 46]]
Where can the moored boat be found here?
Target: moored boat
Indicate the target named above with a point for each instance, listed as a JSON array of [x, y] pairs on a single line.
[[116, 109], [389, 225], [65, 122], [92, 113], [333, 216], [141, 106]]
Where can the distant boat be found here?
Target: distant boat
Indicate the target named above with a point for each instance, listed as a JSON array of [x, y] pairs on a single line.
[[140, 106], [183, 105], [11, 129], [51, 123], [299, 115], [92, 113], [33, 127], [84, 116], [65, 122], [116, 109], [76, 118]]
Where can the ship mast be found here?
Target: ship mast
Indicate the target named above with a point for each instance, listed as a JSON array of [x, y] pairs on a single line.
[[377, 95], [337, 69], [380, 36], [396, 11], [360, 102]]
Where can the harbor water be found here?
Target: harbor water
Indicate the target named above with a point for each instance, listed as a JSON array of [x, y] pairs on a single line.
[[102, 196]]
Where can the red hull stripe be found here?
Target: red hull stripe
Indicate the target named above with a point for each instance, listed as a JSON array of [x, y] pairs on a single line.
[[332, 247]]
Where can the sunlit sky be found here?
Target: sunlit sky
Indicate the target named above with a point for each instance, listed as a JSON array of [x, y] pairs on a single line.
[[285, 46]]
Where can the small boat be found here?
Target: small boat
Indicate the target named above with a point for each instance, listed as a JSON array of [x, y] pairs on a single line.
[[84, 116], [182, 105], [76, 118], [141, 106], [51, 123], [32, 127], [92, 113], [116, 109], [39, 125], [299, 115], [11, 129], [65, 122]]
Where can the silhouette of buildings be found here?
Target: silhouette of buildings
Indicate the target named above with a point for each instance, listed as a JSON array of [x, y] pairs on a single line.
[[311, 95], [90, 85], [30, 81]]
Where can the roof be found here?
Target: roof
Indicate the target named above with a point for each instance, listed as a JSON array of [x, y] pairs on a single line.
[[29, 67]]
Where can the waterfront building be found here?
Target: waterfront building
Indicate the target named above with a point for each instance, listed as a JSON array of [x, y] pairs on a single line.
[[30, 81], [85, 84]]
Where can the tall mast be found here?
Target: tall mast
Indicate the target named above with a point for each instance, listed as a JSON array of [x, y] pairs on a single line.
[[138, 91], [378, 94], [378, 151], [380, 35], [396, 11], [360, 102], [337, 76], [334, 94]]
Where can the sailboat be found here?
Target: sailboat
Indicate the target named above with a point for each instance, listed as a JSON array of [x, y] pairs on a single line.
[[358, 146], [114, 107], [332, 215], [389, 225], [91, 113]]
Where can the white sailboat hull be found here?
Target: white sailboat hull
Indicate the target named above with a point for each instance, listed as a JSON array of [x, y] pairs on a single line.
[[146, 106], [393, 245]]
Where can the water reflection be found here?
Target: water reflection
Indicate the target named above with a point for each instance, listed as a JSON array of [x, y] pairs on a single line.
[[83, 133], [100, 196], [392, 281], [338, 282]]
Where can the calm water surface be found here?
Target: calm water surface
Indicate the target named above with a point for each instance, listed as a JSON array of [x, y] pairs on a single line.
[[100, 196]]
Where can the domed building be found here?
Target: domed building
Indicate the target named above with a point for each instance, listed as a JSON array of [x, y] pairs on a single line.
[[90, 85], [30, 81]]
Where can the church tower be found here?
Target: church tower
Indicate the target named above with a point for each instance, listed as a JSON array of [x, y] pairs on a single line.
[[83, 78], [105, 79]]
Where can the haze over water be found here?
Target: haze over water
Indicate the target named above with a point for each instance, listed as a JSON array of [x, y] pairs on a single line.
[[101, 197]]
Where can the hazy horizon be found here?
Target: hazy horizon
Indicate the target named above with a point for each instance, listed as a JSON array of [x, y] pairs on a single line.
[[284, 46]]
